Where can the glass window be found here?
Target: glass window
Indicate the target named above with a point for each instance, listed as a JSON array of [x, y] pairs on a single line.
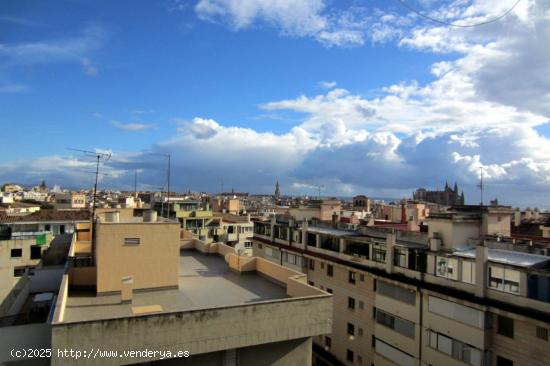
[[445, 344], [349, 355], [351, 303], [505, 326], [468, 272], [400, 257], [458, 312], [396, 292], [351, 277], [351, 329], [504, 279], [330, 270], [311, 263], [447, 267], [502, 361], [16, 253], [401, 326]]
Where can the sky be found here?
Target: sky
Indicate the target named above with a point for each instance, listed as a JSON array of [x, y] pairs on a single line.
[[359, 97]]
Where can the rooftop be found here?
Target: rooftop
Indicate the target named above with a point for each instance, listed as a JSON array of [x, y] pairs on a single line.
[[202, 279], [330, 231], [519, 259], [48, 215]]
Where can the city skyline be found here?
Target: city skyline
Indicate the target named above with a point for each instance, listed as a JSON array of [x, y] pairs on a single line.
[[362, 98]]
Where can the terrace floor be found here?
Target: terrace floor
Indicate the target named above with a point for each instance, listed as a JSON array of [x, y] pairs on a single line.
[[205, 281]]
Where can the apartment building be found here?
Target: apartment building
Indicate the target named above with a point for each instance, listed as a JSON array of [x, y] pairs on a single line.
[[452, 296], [137, 286], [70, 201], [235, 231]]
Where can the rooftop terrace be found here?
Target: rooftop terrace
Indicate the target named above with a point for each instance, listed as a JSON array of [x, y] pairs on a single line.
[[205, 281]]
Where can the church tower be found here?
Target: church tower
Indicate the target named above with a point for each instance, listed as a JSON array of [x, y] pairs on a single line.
[[277, 192]]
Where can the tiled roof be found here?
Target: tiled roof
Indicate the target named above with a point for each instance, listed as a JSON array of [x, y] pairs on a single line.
[[48, 215]]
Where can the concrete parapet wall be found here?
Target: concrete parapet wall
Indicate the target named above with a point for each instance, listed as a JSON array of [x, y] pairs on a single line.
[[199, 331]]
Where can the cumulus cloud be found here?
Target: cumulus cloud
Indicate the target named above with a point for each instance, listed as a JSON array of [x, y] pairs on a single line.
[[488, 96], [307, 18]]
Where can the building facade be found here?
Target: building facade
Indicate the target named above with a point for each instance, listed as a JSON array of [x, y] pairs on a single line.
[[445, 297]]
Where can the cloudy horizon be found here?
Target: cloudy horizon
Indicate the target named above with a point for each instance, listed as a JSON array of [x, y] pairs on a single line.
[[360, 98]]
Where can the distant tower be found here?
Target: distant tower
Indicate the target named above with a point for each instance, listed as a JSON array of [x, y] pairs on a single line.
[[277, 192]]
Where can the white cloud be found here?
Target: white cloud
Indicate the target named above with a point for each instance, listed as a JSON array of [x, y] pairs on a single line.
[[60, 50], [88, 68], [327, 84], [488, 95], [13, 88], [131, 126]]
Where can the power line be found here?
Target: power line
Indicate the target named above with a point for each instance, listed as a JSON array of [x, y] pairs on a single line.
[[492, 20]]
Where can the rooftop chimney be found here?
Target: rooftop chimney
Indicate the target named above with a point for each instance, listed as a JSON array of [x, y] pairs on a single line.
[[150, 216]]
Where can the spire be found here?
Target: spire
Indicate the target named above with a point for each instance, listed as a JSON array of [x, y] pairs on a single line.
[[456, 188], [446, 185], [277, 191]]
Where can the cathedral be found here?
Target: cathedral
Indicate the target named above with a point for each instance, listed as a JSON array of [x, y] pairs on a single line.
[[449, 196]]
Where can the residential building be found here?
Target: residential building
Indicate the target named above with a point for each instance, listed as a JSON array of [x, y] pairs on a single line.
[[70, 201], [464, 292], [138, 287], [235, 231]]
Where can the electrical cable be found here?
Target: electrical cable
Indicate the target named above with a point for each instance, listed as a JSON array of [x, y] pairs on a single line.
[[492, 20]]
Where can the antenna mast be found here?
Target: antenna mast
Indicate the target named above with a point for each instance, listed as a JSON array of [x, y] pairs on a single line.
[[98, 156]]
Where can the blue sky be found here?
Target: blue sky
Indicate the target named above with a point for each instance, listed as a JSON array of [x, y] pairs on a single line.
[[361, 97]]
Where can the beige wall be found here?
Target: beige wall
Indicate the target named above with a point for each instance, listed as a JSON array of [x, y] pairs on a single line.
[[153, 263], [8, 264]]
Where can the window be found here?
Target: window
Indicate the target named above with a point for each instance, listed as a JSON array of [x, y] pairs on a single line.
[[360, 331], [18, 272], [351, 303], [349, 355], [47, 227], [16, 253], [36, 252], [269, 251], [501, 361], [468, 272], [396, 292], [311, 263], [351, 277], [393, 354], [248, 244], [311, 283], [351, 329], [399, 325], [328, 342], [330, 270], [362, 277], [361, 304], [131, 241], [447, 267], [400, 257], [379, 253], [542, 333], [260, 246], [505, 326], [458, 312], [456, 349], [504, 279], [329, 290]]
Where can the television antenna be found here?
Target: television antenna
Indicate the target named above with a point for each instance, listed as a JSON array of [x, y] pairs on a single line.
[[99, 156]]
